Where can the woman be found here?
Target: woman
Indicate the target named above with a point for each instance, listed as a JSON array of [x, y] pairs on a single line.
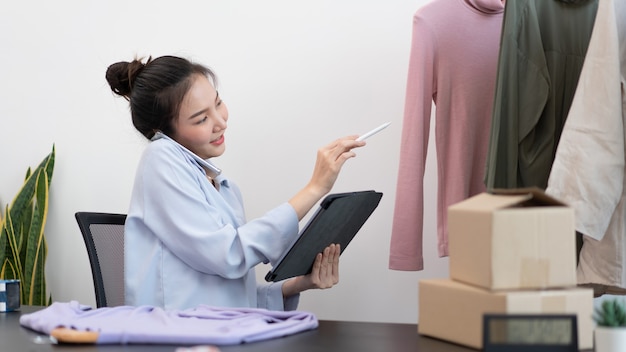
[[187, 241]]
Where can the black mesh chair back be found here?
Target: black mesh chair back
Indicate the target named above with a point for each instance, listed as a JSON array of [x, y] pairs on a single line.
[[104, 237]]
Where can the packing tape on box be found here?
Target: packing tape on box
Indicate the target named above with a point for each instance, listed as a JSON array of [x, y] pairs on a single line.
[[535, 272], [553, 304], [9, 295]]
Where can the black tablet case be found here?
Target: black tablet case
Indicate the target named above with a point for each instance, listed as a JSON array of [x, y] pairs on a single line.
[[337, 220]]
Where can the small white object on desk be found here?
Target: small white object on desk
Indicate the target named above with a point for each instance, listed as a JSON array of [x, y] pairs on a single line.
[[9, 295]]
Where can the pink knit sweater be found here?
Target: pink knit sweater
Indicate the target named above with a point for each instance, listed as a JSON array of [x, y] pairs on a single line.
[[453, 63]]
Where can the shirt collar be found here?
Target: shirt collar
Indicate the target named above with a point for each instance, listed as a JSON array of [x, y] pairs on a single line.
[[222, 181], [487, 6], [206, 164]]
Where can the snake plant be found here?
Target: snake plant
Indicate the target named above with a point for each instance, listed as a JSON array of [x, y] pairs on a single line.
[[23, 247]]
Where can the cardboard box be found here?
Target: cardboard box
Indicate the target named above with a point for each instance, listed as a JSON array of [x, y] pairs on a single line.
[[512, 239], [453, 311]]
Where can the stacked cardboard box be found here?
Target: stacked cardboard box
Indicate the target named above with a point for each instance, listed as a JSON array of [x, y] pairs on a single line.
[[511, 252]]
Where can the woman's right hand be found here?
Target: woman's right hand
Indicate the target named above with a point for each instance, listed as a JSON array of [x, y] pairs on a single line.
[[330, 160]]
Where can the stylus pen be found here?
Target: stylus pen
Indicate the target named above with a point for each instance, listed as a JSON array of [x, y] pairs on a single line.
[[373, 132]]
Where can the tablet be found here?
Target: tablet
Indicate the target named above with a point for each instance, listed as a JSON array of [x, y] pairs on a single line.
[[337, 220]]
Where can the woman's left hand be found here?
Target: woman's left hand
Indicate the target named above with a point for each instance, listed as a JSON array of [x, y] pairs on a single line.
[[325, 273]]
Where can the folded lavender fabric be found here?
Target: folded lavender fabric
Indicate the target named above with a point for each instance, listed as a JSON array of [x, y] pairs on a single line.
[[152, 325]]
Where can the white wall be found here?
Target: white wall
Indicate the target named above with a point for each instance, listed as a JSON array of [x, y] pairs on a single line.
[[295, 76]]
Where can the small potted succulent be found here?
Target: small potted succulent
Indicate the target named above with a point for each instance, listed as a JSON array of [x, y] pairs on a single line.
[[610, 331]]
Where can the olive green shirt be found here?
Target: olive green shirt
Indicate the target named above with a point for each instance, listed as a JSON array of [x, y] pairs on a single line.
[[543, 47]]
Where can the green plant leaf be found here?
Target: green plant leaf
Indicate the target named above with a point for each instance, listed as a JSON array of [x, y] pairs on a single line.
[[4, 245], [10, 266], [13, 254], [48, 164], [29, 256], [611, 313], [23, 227], [34, 275], [23, 197], [9, 269]]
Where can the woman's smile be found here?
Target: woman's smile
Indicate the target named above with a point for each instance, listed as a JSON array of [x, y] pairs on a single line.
[[218, 141]]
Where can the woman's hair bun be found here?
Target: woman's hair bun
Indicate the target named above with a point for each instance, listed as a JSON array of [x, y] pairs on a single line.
[[121, 76]]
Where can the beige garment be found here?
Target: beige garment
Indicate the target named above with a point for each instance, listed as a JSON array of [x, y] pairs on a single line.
[[589, 168]]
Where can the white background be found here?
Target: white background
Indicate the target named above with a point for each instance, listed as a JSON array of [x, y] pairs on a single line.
[[294, 74]]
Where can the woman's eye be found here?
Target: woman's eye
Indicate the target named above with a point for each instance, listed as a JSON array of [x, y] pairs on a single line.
[[203, 120], [219, 103]]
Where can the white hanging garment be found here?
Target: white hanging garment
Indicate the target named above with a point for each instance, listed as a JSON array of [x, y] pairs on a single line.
[[589, 168]]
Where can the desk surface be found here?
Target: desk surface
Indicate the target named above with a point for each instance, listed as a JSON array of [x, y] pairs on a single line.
[[329, 336]]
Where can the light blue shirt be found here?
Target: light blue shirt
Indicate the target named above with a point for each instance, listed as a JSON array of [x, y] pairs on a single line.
[[187, 243]]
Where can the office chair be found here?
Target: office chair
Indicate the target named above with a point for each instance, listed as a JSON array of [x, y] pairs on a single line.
[[104, 237]]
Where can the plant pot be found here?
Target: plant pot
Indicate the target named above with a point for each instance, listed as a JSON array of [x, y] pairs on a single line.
[[610, 339]]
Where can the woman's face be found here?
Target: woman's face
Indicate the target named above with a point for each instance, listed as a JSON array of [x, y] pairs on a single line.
[[201, 121]]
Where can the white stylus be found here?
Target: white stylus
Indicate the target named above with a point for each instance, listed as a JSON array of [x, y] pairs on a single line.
[[374, 131]]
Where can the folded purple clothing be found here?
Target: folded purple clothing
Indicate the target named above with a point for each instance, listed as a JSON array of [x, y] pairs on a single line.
[[152, 325]]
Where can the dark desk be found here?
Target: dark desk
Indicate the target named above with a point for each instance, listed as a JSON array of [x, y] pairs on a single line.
[[329, 336]]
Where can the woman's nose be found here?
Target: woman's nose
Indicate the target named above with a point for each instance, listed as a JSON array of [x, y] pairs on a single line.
[[220, 123]]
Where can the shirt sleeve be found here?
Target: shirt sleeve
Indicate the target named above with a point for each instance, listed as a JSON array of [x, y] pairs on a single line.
[[270, 296], [522, 87]]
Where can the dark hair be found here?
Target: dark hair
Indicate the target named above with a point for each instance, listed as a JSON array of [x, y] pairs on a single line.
[[155, 89]]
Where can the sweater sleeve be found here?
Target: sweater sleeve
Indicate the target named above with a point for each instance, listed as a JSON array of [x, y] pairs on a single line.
[[407, 230]]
